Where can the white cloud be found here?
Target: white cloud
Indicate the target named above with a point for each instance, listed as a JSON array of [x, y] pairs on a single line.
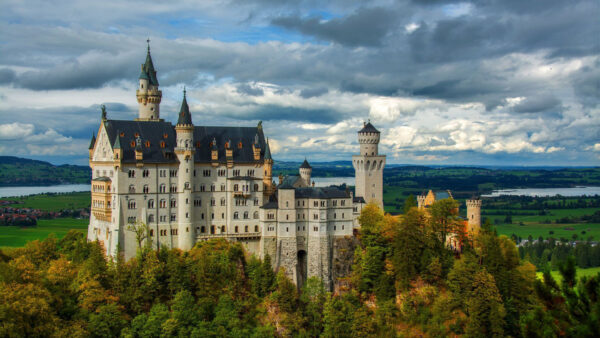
[[11, 131]]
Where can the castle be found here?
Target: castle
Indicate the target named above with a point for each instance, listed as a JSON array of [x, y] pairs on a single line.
[[191, 183]]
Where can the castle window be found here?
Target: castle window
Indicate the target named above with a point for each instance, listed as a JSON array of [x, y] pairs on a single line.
[[165, 135], [151, 232], [173, 203], [334, 203], [240, 145], [212, 187], [150, 204], [173, 173], [131, 204], [236, 187], [223, 201], [251, 173], [206, 173], [202, 188], [145, 173], [315, 216], [316, 203], [256, 187], [315, 228], [222, 215], [162, 144], [222, 229], [136, 135], [287, 204], [150, 218], [202, 229], [342, 215], [270, 216], [222, 187], [334, 215], [131, 173], [147, 144], [245, 228], [163, 188], [287, 217], [222, 172], [163, 203], [173, 217], [132, 144], [202, 216], [145, 189], [132, 189], [212, 229], [343, 202], [197, 203], [246, 215], [334, 228], [236, 172], [255, 215], [236, 215], [213, 202], [256, 228], [122, 134], [173, 188], [194, 172], [236, 229]]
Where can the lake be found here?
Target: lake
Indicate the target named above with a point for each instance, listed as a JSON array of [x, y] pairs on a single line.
[[327, 181], [24, 191], [576, 191]]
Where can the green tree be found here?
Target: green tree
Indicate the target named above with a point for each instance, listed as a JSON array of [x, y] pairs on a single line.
[[485, 308], [444, 219], [409, 203]]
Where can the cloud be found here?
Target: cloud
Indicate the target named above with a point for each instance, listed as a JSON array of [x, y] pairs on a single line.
[[365, 27], [15, 130], [537, 104]]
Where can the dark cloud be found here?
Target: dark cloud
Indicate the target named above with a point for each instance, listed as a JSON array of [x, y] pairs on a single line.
[[365, 27], [272, 112], [313, 92], [538, 104], [245, 88], [6, 75]]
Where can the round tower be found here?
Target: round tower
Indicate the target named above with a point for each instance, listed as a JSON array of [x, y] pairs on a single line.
[[185, 154], [305, 172], [148, 95], [474, 215], [368, 166]]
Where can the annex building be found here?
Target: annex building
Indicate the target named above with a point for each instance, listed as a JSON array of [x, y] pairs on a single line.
[[191, 183]]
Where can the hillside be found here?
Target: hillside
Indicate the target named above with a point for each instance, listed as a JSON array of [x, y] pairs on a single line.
[[15, 171]]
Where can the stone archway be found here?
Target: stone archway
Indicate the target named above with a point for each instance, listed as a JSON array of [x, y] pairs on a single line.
[[301, 268]]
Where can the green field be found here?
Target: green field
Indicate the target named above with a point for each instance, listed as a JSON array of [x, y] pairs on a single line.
[[580, 273], [54, 202], [559, 230], [14, 236]]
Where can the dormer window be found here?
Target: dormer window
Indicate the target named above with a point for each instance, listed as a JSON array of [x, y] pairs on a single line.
[[132, 144], [122, 134], [136, 135], [147, 144], [165, 135], [198, 144], [240, 145], [162, 144]]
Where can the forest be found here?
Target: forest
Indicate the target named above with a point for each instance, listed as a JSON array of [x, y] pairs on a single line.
[[405, 282]]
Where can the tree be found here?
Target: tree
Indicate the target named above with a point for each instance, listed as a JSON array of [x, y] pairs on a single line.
[[444, 219], [485, 309], [408, 246], [409, 203], [141, 231]]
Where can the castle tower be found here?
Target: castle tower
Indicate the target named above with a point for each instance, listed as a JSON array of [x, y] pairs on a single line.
[[305, 172], [421, 201], [148, 95], [473, 215], [185, 154], [286, 232], [368, 166], [268, 176]]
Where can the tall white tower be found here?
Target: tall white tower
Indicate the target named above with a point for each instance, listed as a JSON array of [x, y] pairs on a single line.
[[185, 154], [305, 172], [473, 215], [148, 95], [368, 166]]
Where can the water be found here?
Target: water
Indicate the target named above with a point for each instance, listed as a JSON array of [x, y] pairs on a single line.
[[327, 181], [24, 191], [543, 192]]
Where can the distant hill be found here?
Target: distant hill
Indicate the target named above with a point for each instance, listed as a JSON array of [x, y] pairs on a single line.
[[15, 171]]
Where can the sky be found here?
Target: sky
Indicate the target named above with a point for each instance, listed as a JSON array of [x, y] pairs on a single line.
[[488, 82]]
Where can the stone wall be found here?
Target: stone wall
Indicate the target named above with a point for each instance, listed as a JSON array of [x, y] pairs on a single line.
[[342, 259]]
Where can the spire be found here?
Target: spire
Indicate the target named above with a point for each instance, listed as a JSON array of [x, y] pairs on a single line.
[[103, 108], [185, 118], [305, 164], [117, 144], [267, 151], [148, 71], [93, 142]]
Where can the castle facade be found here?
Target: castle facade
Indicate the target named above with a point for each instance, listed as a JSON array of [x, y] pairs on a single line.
[[190, 183]]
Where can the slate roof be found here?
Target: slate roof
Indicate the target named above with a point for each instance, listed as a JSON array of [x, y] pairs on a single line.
[[368, 128], [320, 192], [305, 165], [160, 131], [148, 71], [92, 142], [359, 199], [270, 205], [184, 113], [268, 151], [289, 181]]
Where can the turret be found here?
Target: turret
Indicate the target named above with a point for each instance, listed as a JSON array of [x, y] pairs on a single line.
[[148, 95], [92, 145], [117, 150], [368, 166], [368, 138], [268, 176], [421, 201], [305, 172], [473, 215], [185, 151]]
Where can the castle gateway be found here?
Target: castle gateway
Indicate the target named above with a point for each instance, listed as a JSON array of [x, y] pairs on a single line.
[[191, 183]]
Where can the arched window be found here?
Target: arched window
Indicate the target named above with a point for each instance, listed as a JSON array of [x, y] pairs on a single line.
[[131, 204], [150, 218], [213, 202], [222, 229], [131, 189], [256, 187], [236, 187], [256, 228], [236, 215], [163, 188], [236, 229], [150, 204], [255, 216], [163, 203], [223, 201], [245, 215], [146, 189], [173, 203]]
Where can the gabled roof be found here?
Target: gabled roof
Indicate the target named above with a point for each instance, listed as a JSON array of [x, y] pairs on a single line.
[[321, 193], [156, 132], [185, 118], [305, 165], [267, 150], [368, 128], [92, 142]]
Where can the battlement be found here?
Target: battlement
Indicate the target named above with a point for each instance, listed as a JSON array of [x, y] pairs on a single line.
[[474, 203]]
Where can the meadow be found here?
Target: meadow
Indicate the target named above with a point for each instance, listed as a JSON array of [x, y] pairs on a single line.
[[53, 202], [589, 272], [15, 236]]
